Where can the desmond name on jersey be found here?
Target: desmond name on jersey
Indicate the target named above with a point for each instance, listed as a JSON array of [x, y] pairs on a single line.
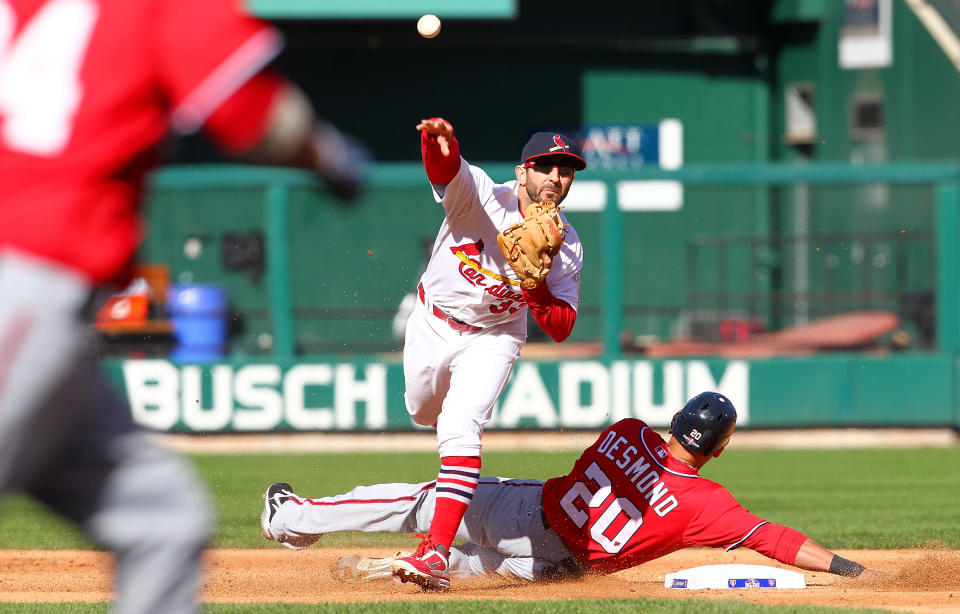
[[639, 471]]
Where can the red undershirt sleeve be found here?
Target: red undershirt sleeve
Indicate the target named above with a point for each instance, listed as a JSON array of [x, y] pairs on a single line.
[[555, 316], [440, 169], [776, 541]]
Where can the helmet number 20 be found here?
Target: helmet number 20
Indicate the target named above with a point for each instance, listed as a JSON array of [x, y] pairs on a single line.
[[601, 498], [40, 87]]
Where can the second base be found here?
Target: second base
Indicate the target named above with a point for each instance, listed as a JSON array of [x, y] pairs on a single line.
[[735, 576]]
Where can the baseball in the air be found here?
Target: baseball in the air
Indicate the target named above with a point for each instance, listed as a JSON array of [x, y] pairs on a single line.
[[428, 26]]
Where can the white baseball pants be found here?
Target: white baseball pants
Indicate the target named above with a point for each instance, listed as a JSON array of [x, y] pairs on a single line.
[[503, 526], [453, 379]]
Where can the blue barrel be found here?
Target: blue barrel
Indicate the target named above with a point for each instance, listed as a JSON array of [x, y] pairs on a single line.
[[198, 313]]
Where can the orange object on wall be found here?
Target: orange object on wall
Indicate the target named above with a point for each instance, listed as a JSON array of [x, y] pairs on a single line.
[[129, 310]]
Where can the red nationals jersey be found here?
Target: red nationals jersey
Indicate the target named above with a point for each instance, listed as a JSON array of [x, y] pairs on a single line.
[[628, 501], [88, 89]]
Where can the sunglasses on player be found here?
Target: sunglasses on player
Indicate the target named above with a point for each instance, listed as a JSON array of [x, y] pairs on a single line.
[[545, 166]]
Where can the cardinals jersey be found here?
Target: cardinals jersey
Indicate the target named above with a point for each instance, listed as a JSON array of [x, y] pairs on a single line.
[[628, 501], [88, 89], [467, 276]]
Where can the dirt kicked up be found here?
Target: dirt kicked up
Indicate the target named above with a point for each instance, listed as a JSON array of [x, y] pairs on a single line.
[[916, 581]]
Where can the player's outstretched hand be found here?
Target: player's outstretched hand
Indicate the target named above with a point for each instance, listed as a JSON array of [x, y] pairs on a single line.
[[341, 161], [439, 128]]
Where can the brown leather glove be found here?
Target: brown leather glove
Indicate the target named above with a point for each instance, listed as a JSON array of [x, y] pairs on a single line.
[[525, 243]]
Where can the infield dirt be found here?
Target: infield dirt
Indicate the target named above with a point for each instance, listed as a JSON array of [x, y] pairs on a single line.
[[916, 580]]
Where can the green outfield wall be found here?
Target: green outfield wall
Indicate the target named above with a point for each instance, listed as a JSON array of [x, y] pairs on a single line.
[[332, 277], [367, 394]]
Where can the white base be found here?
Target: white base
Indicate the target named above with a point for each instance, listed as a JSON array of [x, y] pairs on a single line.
[[734, 576]]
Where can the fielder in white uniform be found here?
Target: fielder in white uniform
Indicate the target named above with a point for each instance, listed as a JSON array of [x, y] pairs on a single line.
[[470, 322]]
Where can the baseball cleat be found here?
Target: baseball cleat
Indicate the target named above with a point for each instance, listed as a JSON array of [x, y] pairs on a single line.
[[363, 568], [428, 566], [276, 495]]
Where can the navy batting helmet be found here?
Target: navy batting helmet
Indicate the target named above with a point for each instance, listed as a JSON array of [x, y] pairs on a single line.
[[705, 423]]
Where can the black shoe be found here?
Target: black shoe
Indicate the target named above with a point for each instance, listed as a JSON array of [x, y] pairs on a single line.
[[276, 495]]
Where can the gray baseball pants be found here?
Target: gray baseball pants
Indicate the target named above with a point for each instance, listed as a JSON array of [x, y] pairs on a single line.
[[503, 526], [69, 441]]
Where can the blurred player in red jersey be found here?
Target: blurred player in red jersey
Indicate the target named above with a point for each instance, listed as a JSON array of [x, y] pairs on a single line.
[[630, 498], [88, 90]]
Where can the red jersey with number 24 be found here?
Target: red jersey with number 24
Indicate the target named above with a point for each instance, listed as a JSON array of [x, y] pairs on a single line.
[[628, 501], [88, 90]]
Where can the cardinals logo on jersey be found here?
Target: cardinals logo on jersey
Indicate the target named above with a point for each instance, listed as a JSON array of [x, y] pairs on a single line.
[[468, 249], [471, 270]]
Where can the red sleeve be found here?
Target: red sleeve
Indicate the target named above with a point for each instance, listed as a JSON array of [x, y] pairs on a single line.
[[556, 317], [241, 122], [440, 169], [777, 542], [721, 522], [204, 53]]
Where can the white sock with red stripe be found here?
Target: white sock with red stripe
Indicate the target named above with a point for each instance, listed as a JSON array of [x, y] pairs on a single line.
[[456, 484]]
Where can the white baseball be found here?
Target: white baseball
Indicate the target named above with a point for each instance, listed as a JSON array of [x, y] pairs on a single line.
[[428, 26]]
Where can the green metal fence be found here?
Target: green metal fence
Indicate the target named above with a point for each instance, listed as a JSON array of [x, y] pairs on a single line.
[[373, 244], [333, 275]]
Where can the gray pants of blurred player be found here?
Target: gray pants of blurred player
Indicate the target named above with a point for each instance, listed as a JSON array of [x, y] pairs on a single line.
[[69, 441], [503, 526]]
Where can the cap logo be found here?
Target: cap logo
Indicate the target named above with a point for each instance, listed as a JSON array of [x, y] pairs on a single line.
[[560, 144]]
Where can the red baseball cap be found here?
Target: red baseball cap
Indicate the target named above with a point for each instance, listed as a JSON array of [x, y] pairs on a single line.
[[553, 144]]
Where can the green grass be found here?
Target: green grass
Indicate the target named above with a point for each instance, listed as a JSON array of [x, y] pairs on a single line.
[[842, 498], [877, 498], [610, 606]]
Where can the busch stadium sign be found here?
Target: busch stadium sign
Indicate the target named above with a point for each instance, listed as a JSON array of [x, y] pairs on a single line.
[[368, 396]]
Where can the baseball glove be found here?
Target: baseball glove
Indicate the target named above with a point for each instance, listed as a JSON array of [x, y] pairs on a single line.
[[523, 244]]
